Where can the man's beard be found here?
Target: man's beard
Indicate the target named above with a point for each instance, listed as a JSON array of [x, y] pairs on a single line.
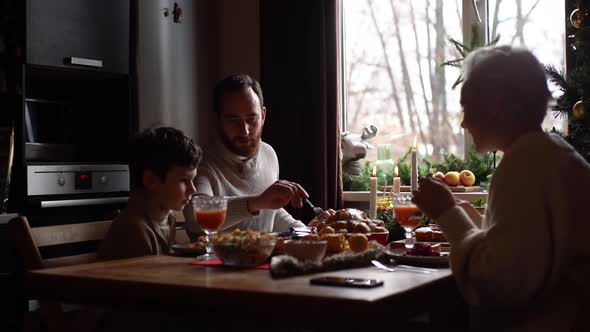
[[245, 150]]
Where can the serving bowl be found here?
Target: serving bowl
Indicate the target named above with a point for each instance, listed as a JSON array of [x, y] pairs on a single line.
[[244, 248], [306, 250]]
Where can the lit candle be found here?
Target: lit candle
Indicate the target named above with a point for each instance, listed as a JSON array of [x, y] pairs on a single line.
[[414, 178], [373, 194], [396, 181]]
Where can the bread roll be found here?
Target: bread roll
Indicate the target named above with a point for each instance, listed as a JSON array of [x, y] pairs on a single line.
[[358, 242], [378, 229], [438, 236], [311, 237], [361, 227], [338, 225], [336, 242], [423, 234]]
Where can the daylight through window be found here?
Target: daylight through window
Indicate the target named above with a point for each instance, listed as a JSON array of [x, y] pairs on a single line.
[[393, 51]]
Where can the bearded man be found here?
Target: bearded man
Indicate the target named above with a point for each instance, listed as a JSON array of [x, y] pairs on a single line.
[[238, 165]]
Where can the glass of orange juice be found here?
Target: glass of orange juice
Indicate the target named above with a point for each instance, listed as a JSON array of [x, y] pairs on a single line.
[[210, 215], [407, 215]]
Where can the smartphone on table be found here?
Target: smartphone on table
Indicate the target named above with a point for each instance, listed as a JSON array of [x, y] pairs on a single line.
[[346, 282]]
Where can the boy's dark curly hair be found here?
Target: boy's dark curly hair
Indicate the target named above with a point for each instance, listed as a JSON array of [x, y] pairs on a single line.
[[158, 150]]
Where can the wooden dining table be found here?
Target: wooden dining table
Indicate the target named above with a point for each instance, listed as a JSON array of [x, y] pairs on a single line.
[[145, 283]]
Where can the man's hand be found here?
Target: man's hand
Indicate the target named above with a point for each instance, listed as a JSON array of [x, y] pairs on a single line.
[[278, 195], [433, 198], [321, 218]]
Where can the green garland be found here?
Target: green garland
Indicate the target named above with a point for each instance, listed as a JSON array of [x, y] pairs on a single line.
[[482, 166]]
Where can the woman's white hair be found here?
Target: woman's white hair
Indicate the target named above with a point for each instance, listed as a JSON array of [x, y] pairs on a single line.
[[511, 72]]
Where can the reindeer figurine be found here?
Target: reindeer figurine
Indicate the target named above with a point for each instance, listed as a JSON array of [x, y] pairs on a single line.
[[354, 148]]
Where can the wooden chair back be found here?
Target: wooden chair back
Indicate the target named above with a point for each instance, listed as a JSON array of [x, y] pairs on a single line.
[[28, 240]]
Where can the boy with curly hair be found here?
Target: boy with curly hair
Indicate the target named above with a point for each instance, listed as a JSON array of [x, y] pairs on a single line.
[[163, 163]]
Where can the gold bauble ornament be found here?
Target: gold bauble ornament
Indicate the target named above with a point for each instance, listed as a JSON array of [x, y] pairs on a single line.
[[578, 110], [577, 18]]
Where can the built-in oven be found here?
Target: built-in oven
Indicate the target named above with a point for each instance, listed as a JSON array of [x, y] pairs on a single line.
[[50, 186]]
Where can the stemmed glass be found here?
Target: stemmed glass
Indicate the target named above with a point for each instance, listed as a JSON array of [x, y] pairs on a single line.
[[407, 215], [210, 214]]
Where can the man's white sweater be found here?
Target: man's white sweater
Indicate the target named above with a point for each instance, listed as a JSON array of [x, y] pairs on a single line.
[[223, 173]]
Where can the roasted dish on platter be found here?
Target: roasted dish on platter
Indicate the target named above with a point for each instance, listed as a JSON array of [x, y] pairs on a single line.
[[352, 221]]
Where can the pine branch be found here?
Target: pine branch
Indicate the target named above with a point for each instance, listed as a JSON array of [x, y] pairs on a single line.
[[458, 46], [495, 40], [575, 87], [464, 50], [558, 114], [582, 5], [453, 63], [556, 77], [458, 81]]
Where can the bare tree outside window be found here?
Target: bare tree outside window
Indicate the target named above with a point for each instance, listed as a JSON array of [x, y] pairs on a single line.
[[538, 26], [393, 54]]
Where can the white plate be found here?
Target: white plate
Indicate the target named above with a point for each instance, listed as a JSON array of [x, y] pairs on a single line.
[[434, 261], [187, 249]]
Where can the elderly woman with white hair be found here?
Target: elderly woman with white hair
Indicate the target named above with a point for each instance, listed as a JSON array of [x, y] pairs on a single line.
[[525, 265]]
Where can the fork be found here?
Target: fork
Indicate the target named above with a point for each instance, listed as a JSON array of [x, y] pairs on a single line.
[[406, 268]]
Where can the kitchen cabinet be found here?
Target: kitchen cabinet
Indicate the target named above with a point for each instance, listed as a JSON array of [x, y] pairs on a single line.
[[82, 34]]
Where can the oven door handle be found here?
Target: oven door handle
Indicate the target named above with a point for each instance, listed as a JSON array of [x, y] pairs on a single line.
[[83, 62], [83, 202]]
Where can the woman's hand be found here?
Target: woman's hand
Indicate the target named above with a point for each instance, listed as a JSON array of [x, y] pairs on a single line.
[[321, 218], [433, 198]]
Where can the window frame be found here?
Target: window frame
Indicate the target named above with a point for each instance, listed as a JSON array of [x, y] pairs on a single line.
[[469, 18]]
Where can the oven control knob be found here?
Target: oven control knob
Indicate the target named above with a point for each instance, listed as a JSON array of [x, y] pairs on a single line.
[[61, 181], [104, 179]]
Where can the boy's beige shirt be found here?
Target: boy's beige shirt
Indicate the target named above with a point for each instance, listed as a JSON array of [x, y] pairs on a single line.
[[141, 229]]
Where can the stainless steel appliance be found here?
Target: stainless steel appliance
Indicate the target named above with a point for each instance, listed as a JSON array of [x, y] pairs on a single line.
[[66, 85], [70, 144], [51, 186]]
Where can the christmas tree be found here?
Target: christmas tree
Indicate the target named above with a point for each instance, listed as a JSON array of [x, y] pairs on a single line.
[[574, 103]]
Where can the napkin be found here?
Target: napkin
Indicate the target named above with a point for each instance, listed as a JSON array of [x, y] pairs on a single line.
[[287, 266]]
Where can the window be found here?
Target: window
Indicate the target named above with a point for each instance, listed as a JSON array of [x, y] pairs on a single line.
[[393, 51], [537, 25]]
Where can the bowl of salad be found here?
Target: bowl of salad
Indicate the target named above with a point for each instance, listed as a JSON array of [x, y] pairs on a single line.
[[244, 248]]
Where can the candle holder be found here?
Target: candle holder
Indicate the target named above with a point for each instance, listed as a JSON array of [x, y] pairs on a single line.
[[373, 194], [384, 201], [384, 164], [414, 166]]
